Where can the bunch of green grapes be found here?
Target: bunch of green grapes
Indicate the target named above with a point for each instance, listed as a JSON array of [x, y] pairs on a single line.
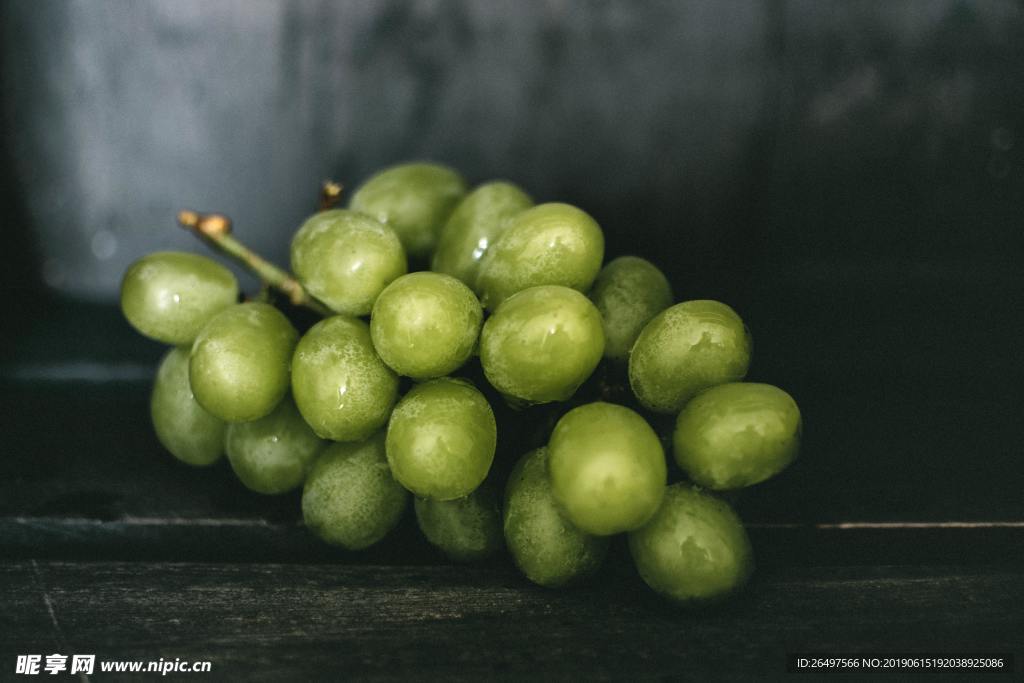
[[396, 393]]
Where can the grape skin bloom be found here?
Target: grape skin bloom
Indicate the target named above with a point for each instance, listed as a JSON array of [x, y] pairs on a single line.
[[441, 439], [341, 386], [350, 497], [477, 222], [345, 259], [685, 349], [628, 292], [273, 454], [546, 547], [466, 529], [695, 549], [541, 344], [425, 325], [183, 427], [240, 363], [415, 199], [737, 435], [169, 295], [607, 468], [549, 244]]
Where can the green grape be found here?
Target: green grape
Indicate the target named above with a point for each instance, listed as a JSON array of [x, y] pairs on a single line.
[[546, 547], [550, 244], [425, 325], [686, 349], [345, 259], [273, 454], [737, 434], [441, 439], [466, 529], [415, 199], [240, 362], [628, 292], [350, 498], [473, 227], [607, 468], [694, 549], [170, 295], [541, 344], [190, 433], [341, 386]]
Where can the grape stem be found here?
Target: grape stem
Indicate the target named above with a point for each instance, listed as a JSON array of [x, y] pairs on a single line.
[[215, 230], [330, 195]]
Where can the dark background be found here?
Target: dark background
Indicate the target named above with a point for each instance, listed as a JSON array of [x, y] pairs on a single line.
[[848, 176]]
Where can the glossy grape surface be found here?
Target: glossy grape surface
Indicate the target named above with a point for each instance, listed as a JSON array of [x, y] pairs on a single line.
[[549, 244], [607, 468], [465, 529], [685, 349], [273, 454], [169, 296], [239, 369], [341, 386], [628, 292], [546, 547], [345, 259], [415, 199], [425, 324], [350, 498], [182, 426], [737, 434], [541, 344], [441, 439], [477, 222], [694, 549]]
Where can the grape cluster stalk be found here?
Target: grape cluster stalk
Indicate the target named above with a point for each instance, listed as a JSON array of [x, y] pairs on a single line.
[[473, 351]]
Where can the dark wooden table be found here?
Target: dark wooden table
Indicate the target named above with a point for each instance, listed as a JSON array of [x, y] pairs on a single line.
[[271, 621], [881, 538]]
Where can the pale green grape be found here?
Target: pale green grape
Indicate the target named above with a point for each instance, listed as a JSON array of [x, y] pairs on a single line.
[[546, 547], [169, 296], [477, 222], [542, 344], [628, 292], [466, 529], [607, 468], [191, 434], [273, 454], [694, 549], [341, 386], [549, 244], [345, 259], [239, 367], [350, 498], [441, 439], [685, 349], [737, 434], [415, 199], [425, 325]]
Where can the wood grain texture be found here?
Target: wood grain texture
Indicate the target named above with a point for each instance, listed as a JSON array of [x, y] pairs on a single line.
[[319, 622]]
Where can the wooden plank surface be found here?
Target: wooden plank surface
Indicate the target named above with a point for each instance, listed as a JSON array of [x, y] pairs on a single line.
[[318, 622]]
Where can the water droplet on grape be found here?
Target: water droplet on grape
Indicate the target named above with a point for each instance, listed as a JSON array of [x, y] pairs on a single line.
[[481, 247]]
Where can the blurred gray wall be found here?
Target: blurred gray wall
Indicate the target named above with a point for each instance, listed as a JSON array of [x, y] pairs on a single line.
[[718, 137]]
